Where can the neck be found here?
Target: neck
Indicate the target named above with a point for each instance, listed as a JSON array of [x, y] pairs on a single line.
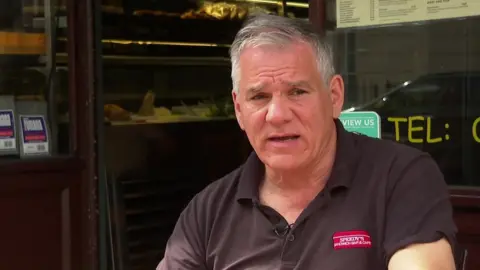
[[302, 183]]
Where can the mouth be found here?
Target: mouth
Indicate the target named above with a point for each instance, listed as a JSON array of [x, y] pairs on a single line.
[[283, 138]]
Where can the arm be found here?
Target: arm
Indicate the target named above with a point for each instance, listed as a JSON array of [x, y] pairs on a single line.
[[419, 229], [185, 249], [436, 255]]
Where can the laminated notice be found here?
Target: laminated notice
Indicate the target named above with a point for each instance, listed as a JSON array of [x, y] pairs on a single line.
[[34, 135], [8, 141]]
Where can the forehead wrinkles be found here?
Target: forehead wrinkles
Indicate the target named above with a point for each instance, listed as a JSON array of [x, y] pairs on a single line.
[[257, 84], [259, 66], [275, 74]]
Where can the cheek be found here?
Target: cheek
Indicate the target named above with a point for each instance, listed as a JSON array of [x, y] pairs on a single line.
[[242, 113], [253, 123], [316, 120], [326, 107]]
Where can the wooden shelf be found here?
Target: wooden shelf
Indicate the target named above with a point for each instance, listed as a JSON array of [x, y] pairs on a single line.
[[16, 165], [170, 119], [62, 58]]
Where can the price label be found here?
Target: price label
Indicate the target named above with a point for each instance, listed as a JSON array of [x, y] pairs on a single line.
[[34, 135], [7, 130]]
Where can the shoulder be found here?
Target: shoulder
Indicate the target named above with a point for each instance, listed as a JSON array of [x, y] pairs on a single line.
[[402, 174], [220, 190], [389, 163], [219, 194], [386, 153]]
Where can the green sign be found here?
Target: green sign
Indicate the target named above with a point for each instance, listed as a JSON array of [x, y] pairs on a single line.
[[366, 123]]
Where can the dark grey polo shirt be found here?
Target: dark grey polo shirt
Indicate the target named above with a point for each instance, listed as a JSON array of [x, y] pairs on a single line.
[[380, 197]]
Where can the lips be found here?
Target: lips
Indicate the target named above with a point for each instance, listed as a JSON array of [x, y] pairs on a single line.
[[283, 138]]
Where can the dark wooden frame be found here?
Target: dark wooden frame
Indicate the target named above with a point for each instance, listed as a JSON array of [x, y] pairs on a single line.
[[65, 236], [82, 70], [317, 15]]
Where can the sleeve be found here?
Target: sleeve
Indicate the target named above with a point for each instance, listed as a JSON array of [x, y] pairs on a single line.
[[419, 208], [185, 249]]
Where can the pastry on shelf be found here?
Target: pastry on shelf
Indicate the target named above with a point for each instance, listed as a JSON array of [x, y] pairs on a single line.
[[114, 112], [217, 10], [112, 9], [191, 14], [112, 6], [148, 105]]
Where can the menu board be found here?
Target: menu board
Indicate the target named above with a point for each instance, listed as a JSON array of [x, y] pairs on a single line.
[[357, 13]]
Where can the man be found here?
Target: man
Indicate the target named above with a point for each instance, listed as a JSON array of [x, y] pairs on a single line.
[[312, 195]]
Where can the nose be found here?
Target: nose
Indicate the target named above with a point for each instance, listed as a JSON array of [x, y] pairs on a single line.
[[278, 111]]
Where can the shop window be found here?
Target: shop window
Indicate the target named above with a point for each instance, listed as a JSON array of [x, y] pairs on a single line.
[[472, 134], [414, 97], [169, 127], [419, 75], [33, 86]]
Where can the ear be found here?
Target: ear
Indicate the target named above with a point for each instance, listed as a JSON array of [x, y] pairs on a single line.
[[238, 111], [337, 94]]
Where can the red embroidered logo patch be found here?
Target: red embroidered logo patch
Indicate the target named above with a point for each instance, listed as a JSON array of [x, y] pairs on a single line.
[[351, 239]]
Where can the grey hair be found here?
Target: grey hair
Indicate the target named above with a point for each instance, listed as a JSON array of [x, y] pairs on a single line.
[[263, 29]]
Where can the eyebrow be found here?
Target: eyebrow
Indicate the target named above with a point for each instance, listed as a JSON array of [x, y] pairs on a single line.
[[255, 88], [302, 84]]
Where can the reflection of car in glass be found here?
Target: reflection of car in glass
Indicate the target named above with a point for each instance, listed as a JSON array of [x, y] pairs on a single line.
[[434, 113]]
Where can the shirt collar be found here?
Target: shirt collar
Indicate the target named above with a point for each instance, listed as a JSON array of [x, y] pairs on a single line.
[[343, 170]]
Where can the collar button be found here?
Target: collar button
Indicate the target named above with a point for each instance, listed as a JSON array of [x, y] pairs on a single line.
[[291, 237]]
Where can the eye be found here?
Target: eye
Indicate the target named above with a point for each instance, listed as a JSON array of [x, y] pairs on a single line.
[[298, 92], [258, 97]]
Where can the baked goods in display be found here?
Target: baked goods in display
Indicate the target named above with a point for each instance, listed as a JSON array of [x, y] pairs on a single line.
[[116, 113], [148, 105]]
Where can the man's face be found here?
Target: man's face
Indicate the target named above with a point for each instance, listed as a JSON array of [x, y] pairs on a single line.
[[284, 106]]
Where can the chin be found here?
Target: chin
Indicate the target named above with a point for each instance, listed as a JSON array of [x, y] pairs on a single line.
[[282, 162]]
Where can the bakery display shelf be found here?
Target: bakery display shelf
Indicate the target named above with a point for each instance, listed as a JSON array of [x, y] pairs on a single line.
[[295, 4], [62, 58], [19, 60], [161, 120], [20, 44], [39, 10], [12, 164], [169, 28], [118, 9], [170, 120], [211, 22]]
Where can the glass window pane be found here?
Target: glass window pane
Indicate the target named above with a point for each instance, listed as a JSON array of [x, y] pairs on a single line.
[[169, 122], [33, 88], [422, 79]]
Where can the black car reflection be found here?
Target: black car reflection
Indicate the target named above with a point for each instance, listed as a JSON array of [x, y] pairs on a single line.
[[435, 113]]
